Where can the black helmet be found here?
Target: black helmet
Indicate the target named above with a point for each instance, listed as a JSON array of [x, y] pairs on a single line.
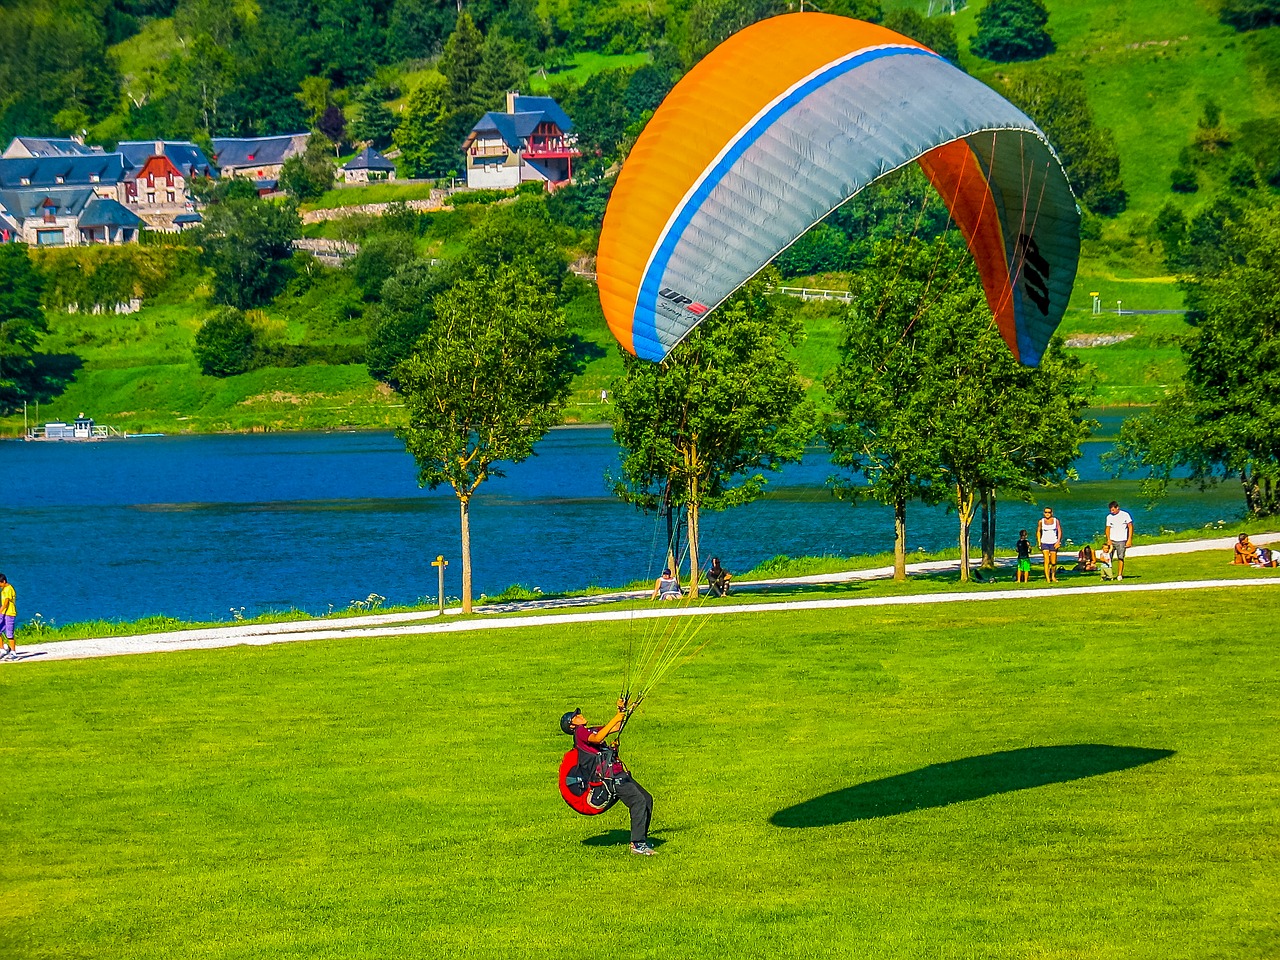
[[566, 722]]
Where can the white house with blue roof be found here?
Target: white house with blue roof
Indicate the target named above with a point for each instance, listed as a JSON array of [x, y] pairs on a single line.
[[532, 140]]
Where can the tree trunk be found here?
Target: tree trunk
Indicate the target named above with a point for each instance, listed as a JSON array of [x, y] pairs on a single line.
[[989, 529], [672, 530], [900, 539], [465, 503], [964, 508], [693, 539]]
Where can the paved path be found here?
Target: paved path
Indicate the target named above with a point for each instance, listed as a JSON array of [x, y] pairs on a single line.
[[420, 623]]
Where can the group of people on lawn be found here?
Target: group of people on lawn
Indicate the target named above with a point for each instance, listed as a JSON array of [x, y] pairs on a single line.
[[1107, 560], [1246, 553]]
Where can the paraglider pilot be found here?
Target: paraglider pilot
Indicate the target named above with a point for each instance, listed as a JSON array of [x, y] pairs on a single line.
[[588, 741]]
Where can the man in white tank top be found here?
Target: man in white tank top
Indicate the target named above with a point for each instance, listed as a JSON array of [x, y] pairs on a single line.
[[1049, 537]]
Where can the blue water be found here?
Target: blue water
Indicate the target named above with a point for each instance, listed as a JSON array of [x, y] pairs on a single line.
[[195, 527]]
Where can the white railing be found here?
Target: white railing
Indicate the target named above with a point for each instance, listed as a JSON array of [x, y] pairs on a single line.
[[809, 293]]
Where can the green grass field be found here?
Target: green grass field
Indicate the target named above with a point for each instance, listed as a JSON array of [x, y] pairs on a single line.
[[1078, 777]]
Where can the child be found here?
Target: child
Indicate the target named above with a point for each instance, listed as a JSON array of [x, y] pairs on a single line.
[[1024, 558], [1103, 558]]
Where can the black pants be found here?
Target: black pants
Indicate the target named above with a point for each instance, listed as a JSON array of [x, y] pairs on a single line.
[[640, 802]]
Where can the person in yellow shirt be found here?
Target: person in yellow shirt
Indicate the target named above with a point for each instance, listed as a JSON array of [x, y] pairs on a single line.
[[8, 616]]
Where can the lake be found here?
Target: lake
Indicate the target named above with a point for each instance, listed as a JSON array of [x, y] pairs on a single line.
[[195, 527]]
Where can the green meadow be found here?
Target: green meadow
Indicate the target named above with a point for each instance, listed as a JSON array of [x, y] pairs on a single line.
[[1088, 776]]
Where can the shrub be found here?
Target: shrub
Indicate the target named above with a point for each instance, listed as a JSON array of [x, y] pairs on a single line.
[[226, 344], [1012, 30]]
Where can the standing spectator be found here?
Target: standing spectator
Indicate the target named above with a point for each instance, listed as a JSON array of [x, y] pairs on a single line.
[[1119, 535], [1048, 537], [8, 617], [1024, 558]]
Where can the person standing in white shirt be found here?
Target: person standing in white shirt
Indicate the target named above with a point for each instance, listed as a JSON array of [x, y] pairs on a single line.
[[1049, 537], [1119, 535]]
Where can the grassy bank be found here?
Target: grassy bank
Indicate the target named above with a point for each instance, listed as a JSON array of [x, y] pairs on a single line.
[[949, 781]]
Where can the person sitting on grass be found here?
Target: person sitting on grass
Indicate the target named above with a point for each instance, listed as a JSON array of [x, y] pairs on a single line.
[[667, 587], [1086, 560], [1023, 547], [718, 578], [1245, 552]]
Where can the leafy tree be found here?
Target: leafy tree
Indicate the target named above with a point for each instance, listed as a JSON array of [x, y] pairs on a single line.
[[201, 79], [1223, 421], [247, 243], [484, 386], [308, 176], [728, 402], [1058, 102], [423, 137], [822, 249], [902, 204], [599, 111], [313, 94], [520, 232], [22, 322], [226, 344], [1012, 30], [709, 22], [936, 33], [333, 124], [1184, 180], [402, 316], [1250, 14], [381, 255], [416, 28]]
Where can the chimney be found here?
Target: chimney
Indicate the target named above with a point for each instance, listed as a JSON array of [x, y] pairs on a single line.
[[511, 100], [159, 148], [78, 138]]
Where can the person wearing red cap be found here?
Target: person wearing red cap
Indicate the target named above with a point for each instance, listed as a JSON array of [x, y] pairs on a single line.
[[639, 801]]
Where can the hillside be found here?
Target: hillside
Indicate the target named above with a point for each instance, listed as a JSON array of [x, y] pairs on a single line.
[[1149, 70]]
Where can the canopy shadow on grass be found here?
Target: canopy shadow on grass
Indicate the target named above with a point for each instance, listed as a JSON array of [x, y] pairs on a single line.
[[956, 781]]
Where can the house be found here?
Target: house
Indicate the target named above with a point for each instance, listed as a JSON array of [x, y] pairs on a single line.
[[533, 140], [28, 147], [65, 216], [258, 158], [100, 172], [157, 179], [368, 165]]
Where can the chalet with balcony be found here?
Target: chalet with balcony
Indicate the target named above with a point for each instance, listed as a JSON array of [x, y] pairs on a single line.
[[258, 158], [157, 180], [533, 140]]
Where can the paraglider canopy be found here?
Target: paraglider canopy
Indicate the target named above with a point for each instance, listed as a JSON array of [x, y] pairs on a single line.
[[788, 119]]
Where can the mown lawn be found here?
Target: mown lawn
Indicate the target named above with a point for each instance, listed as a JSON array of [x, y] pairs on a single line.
[[1087, 777]]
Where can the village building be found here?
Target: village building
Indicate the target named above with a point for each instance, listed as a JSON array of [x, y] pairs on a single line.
[[158, 177], [64, 200], [368, 166], [28, 147], [258, 158], [532, 140]]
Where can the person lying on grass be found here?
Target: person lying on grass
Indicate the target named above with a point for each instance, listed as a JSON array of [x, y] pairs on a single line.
[[638, 800]]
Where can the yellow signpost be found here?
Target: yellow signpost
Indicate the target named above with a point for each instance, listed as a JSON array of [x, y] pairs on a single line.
[[441, 562]]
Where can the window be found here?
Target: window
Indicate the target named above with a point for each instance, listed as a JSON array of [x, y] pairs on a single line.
[[94, 178], [25, 181], [50, 238], [151, 196], [170, 196], [59, 179]]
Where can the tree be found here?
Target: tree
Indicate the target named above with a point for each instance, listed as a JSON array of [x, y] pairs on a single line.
[[22, 322], [426, 149], [461, 63], [726, 403], [226, 344], [376, 123], [1223, 421], [936, 33], [487, 383], [313, 94], [402, 317], [883, 428], [308, 176], [1250, 14], [416, 28], [1058, 102], [333, 124], [1012, 30], [500, 70], [247, 243], [380, 256]]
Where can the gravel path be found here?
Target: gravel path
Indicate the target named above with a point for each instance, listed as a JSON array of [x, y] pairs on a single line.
[[404, 624]]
